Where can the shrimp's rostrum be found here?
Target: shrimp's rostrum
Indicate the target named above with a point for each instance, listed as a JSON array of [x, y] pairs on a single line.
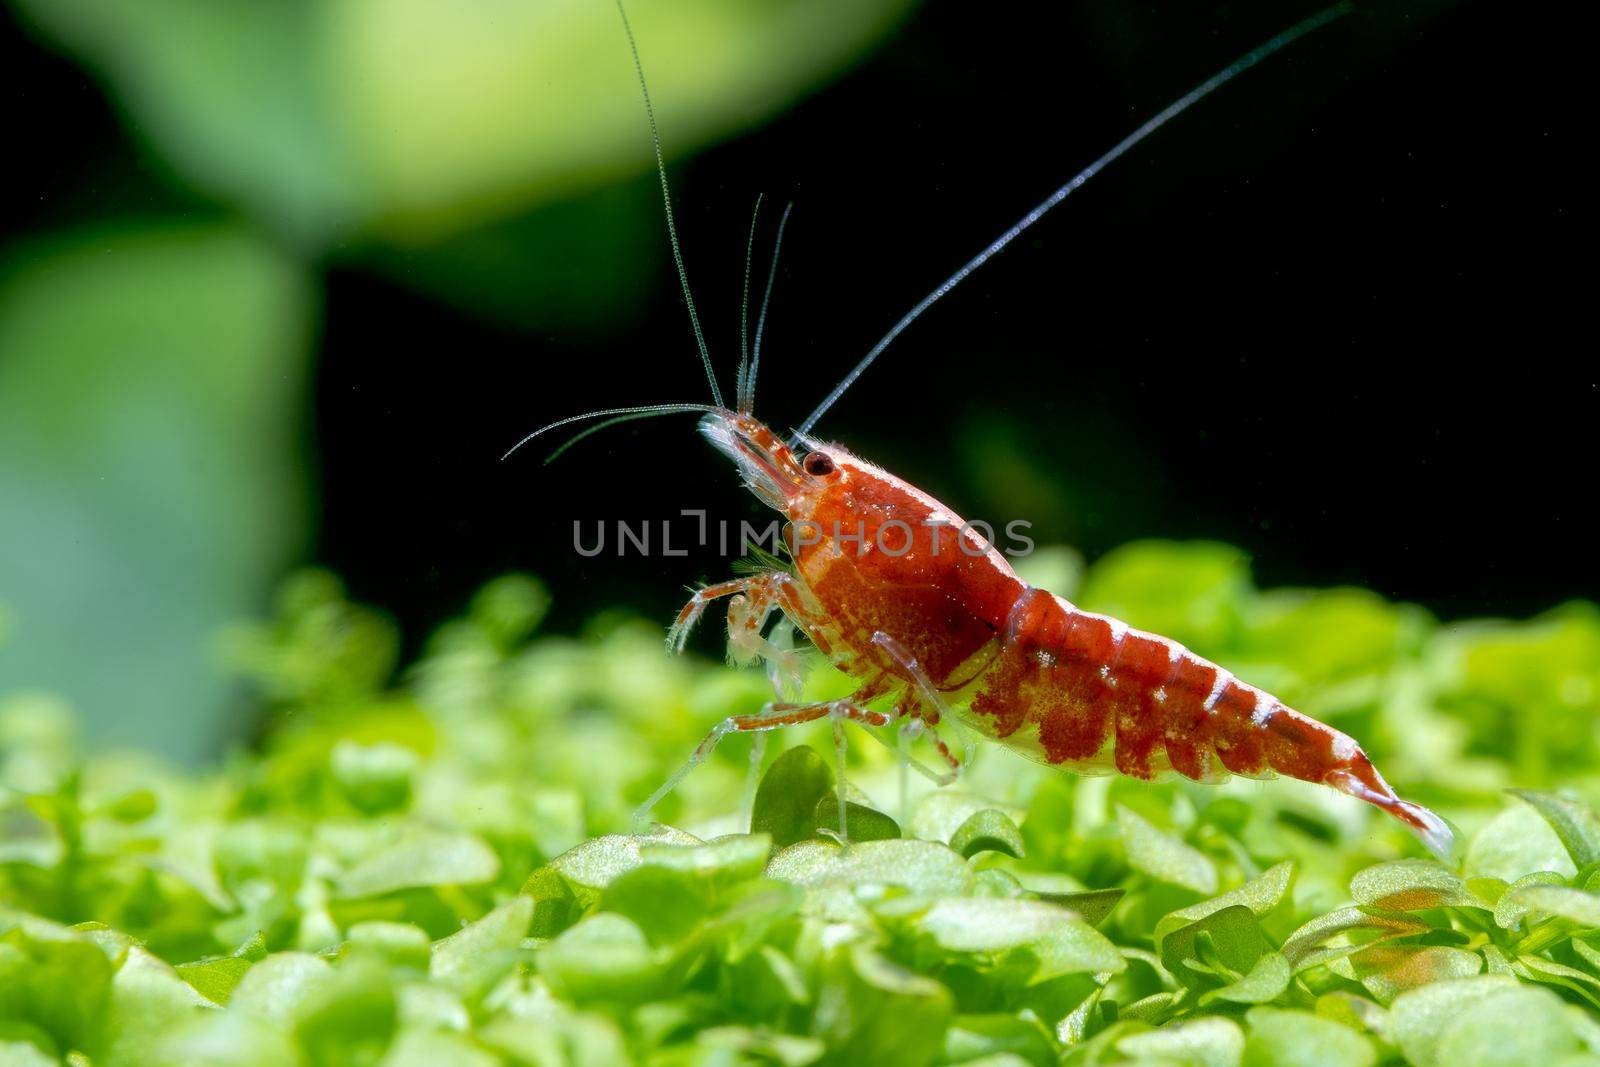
[[944, 622]]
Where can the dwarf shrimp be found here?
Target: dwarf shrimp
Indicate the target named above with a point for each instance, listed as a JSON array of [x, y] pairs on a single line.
[[942, 629]]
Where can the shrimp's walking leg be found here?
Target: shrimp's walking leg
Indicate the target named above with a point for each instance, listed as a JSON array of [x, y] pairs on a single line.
[[838, 776], [753, 601], [934, 707], [752, 779], [784, 671], [747, 616], [771, 717], [903, 751], [678, 632]]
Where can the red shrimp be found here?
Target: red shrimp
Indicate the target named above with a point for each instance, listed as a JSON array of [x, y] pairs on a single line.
[[897, 591]]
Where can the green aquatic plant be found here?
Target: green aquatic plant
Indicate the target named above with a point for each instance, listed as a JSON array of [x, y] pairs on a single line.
[[436, 870]]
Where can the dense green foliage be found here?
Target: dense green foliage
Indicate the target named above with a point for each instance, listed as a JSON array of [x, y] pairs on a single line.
[[438, 871]]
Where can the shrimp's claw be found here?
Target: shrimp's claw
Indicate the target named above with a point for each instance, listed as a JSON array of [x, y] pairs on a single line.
[[1435, 834]]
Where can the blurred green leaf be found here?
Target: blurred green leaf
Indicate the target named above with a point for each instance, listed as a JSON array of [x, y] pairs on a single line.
[[1309, 946], [1193, 593], [1216, 951], [873, 1011], [668, 905], [1392, 968], [1074, 948], [988, 831], [1575, 823], [510, 608], [1329, 645], [348, 1019], [58, 984], [417, 120], [275, 988], [23, 1045], [1212, 1042], [148, 380], [1091, 906], [1510, 909], [668, 949], [1516, 842], [1265, 982], [862, 823], [402, 944], [148, 1002], [1519, 1025], [1261, 895], [605, 957], [1420, 1017], [996, 1039], [1163, 856], [987, 924], [225, 1039], [788, 795], [422, 857], [1527, 691], [427, 1048], [1572, 904], [920, 866], [1281, 1038], [375, 778], [470, 960], [1410, 885]]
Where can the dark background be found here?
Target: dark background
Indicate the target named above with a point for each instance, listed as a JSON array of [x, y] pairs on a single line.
[[1331, 315]]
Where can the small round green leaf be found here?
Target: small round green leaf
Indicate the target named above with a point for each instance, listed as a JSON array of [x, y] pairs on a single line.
[[1285, 1038], [1411, 885], [786, 800], [991, 924], [422, 857], [1575, 823], [989, 830], [1209, 1042], [1163, 856], [861, 822]]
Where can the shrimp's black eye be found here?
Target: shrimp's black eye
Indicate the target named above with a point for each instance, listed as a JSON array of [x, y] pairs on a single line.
[[818, 464]]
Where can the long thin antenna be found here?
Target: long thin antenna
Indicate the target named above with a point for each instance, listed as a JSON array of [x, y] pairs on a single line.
[[666, 200], [605, 424], [640, 412], [1161, 118], [747, 398], [744, 308]]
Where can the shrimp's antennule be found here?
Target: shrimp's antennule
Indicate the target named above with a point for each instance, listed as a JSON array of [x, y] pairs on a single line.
[[744, 309], [612, 417], [1154, 123], [747, 382], [666, 200]]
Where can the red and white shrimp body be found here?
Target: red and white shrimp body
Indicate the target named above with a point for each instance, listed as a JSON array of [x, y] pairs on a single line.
[[889, 584]]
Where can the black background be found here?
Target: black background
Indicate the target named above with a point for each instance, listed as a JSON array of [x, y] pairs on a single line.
[[1332, 315]]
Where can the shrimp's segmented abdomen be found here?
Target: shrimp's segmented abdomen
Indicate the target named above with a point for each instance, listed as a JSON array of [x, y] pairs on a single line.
[[1087, 692]]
